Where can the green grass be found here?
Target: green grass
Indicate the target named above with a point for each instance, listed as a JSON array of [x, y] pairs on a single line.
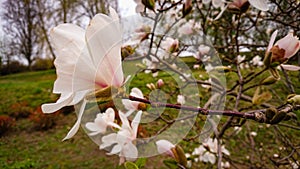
[[24, 147]]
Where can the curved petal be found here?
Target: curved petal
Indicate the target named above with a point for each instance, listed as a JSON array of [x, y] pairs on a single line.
[[76, 126], [108, 140], [104, 39], [115, 150], [130, 151], [260, 4], [135, 122], [290, 44], [63, 101], [68, 41], [290, 67], [164, 146], [272, 40]]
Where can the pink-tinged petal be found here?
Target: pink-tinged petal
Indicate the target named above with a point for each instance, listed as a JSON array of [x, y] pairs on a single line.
[[164, 146], [109, 115], [260, 4], [272, 40], [290, 44], [76, 126], [104, 39], [63, 101], [130, 151], [135, 122], [128, 104], [290, 67]]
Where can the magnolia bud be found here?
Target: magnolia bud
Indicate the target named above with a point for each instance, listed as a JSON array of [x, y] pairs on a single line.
[[150, 4], [179, 155], [126, 51], [294, 99], [160, 83], [239, 6], [269, 80], [142, 106], [187, 7], [151, 86]]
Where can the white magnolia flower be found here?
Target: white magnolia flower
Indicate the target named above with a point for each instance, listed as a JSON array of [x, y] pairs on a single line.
[[256, 61], [123, 141], [132, 106], [180, 99], [165, 147], [101, 122], [170, 45], [86, 61], [208, 150]]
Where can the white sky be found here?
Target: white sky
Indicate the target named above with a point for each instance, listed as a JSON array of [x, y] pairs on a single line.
[[127, 7]]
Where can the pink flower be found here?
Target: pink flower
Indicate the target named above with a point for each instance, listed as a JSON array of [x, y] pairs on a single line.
[[170, 45], [284, 48], [86, 61]]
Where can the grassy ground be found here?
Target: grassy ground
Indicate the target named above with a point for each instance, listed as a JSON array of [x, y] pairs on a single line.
[[25, 147]]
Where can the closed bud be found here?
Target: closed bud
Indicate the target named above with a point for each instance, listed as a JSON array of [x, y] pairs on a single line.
[[160, 83], [142, 106], [150, 4], [151, 86], [179, 155], [279, 116], [269, 80], [238, 6], [295, 100], [187, 7], [126, 51]]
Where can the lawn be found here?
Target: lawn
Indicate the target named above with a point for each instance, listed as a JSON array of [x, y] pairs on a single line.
[[24, 146]]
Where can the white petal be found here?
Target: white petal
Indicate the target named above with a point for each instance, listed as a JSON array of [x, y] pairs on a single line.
[[136, 92], [272, 40], [68, 41], [63, 101], [115, 150], [290, 44], [109, 115], [260, 4], [104, 40], [108, 140], [128, 104], [93, 126], [135, 122], [164, 146], [130, 151], [76, 126], [217, 3], [290, 67], [125, 122]]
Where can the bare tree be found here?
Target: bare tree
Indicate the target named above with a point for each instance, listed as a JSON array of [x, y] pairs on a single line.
[[21, 26]]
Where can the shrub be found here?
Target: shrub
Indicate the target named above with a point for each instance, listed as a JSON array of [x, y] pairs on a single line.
[[42, 64], [6, 124], [20, 110], [43, 121]]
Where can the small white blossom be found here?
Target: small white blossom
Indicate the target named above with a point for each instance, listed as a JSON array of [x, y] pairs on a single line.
[[180, 99]]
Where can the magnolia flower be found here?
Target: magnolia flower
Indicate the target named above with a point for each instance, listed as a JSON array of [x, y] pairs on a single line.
[[122, 141], [170, 45], [101, 122], [180, 99], [86, 61], [132, 106], [215, 3], [256, 61], [186, 29], [139, 6], [165, 147], [284, 48], [207, 151]]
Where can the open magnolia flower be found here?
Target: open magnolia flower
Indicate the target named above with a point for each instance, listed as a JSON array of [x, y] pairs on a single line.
[[122, 141], [284, 48], [86, 61], [101, 122], [132, 106], [165, 147]]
